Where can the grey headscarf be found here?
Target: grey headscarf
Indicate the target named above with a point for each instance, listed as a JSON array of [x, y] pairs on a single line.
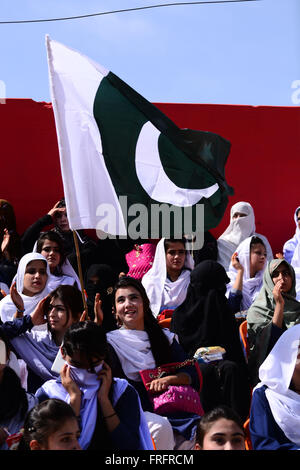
[[260, 314]]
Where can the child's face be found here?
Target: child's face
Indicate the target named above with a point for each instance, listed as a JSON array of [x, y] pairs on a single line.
[[224, 434], [258, 256], [66, 438]]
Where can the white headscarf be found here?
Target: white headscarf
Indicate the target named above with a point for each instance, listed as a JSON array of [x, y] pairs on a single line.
[[276, 373], [237, 231], [68, 277], [162, 292], [89, 386], [290, 245], [251, 285], [7, 307], [291, 251], [134, 350]]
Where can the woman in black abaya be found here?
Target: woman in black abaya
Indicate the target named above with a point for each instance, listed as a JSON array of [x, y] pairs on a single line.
[[205, 319]]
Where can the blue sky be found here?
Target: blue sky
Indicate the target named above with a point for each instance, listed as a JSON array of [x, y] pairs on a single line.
[[234, 53]]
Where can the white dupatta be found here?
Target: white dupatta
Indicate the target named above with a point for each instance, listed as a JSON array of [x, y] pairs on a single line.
[[162, 292], [134, 350], [276, 373], [89, 386], [68, 276], [7, 307], [251, 285], [238, 230]]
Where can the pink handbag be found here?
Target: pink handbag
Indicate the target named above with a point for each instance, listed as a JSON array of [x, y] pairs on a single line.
[[178, 398]]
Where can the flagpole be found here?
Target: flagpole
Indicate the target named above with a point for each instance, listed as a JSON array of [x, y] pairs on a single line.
[[80, 271]]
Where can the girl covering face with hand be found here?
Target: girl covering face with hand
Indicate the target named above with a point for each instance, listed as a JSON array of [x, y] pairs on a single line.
[[109, 409], [274, 310]]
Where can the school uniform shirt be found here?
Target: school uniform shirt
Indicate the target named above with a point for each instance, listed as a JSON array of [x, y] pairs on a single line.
[[275, 406]]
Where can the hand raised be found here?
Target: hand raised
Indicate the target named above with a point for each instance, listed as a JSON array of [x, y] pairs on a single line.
[[5, 241], [38, 314], [277, 292], [16, 297], [98, 310], [235, 262], [56, 210], [84, 316]]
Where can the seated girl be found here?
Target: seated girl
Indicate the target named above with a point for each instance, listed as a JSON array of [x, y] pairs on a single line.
[[50, 425], [290, 245], [246, 273], [220, 429], [51, 246], [205, 319], [10, 243], [140, 343], [167, 281], [31, 285], [38, 348], [274, 310], [15, 402], [109, 408], [275, 405]]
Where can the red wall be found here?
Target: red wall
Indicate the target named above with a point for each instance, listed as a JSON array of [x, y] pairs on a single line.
[[262, 166]]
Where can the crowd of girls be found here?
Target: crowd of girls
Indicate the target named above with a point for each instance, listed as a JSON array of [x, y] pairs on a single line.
[[71, 360]]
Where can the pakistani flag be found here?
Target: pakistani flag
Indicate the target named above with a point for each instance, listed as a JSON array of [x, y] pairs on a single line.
[[126, 167]]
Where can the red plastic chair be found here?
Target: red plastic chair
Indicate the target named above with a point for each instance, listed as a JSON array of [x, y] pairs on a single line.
[[248, 443], [165, 323], [244, 338]]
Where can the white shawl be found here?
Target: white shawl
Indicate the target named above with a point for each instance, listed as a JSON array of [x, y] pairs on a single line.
[[162, 292], [68, 277], [134, 350], [292, 243], [276, 373], [251, 285], [89, 388], [7, 307], [292, 250], [237, 231]]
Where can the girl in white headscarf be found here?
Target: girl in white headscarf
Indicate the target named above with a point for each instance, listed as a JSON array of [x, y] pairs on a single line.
[[246, 271], [31, 285], [290, 245], [242, 225], [51, 246], [291, 252], [167, 281], [275, 406]]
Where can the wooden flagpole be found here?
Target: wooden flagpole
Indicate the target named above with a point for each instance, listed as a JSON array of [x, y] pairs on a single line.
[[80, 271]]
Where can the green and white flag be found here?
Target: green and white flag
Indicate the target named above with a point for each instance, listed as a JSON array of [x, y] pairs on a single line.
[[123, 161]]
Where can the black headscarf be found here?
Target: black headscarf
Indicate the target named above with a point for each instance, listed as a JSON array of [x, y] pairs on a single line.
[[107, 280], [204, 318]]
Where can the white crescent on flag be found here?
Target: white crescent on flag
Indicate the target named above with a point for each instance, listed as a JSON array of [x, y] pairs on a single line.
[[153, 177]]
